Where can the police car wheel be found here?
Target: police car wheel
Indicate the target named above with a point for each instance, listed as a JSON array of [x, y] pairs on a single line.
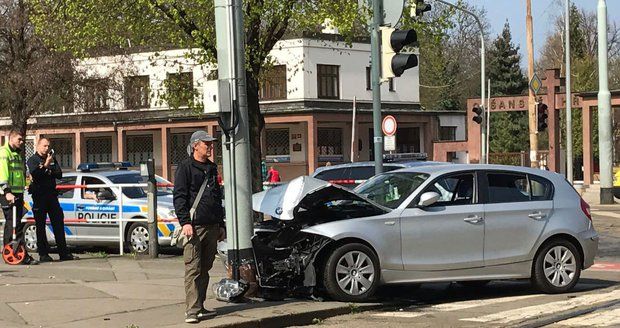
[[30, 237], [138, 237]]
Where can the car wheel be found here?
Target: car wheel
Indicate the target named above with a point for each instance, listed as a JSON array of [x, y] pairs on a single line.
[[138, 237], [351, 273], [474, 283], [557, 267], [30, 237]]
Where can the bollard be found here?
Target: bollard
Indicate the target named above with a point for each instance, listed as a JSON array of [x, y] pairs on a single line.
[[148, 170]]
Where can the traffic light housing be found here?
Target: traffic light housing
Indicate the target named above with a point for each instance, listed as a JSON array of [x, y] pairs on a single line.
[[418, 8], [541, 115], [479, 114], [393, 41]]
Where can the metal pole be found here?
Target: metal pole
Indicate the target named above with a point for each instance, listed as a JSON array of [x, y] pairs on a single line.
[[353, 131], [152, 210], [237, 172], [569, 99], [375, 59], [121, 221], [483, 139], [605, 136], [488, 122], [533, 129]]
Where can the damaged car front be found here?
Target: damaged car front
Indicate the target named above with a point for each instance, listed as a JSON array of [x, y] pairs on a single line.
[[323, 236]]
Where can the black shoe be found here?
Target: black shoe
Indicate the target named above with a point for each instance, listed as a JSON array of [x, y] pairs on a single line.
[[30, 261], [45, 258], [68, 257]]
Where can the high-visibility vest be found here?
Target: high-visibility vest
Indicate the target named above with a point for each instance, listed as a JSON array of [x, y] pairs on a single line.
[[12, 173]]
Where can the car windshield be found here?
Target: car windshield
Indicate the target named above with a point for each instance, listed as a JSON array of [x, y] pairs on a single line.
[[391, 189], [138, 192]]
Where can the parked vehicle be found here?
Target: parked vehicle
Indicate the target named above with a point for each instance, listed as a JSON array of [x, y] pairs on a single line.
[[350, 175], [467, 223], [90, 213]]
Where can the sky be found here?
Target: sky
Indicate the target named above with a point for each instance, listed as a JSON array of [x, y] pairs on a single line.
[[543, 13]]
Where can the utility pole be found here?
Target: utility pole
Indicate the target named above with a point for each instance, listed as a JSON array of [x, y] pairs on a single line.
[[375, 58], [605, 137], [531, 100], [235, 125], [569, 98]]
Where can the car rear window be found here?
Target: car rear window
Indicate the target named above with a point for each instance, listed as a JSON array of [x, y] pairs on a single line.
[[333, 174]]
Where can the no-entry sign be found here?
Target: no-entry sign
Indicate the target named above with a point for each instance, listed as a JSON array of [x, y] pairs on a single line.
[[389, 125]]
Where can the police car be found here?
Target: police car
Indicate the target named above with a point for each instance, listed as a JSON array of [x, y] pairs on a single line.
[[91, 213]]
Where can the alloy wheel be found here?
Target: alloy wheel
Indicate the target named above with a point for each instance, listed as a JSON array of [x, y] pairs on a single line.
[[30, 238], [355, 273], [559, 266], [139, 239]]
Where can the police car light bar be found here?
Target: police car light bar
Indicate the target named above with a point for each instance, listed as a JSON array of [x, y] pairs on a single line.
[[87, 167], [404, 157]]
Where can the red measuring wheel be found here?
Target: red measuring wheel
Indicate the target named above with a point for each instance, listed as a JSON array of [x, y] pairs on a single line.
[[14, 253]]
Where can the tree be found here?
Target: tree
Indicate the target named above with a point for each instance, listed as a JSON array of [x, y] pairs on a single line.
[[34, 78], [84, 26], [508, 130]]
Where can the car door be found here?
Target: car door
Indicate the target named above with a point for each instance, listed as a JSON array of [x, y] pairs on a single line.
[[516, 213], [67, 198], [448, 234], [97, 216]]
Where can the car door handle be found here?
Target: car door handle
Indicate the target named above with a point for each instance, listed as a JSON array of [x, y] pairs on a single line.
[[79, 207], [473, 219], [537, 215], [390, 223]]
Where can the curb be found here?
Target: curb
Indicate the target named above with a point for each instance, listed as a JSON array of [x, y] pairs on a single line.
[[541, 322], [300, 318]]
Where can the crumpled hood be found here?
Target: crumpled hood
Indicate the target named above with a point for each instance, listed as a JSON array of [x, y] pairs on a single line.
[[281, 201]]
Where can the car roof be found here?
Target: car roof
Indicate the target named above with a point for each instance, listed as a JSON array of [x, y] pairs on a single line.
[[441, 169], [403, 164], [105, 173]]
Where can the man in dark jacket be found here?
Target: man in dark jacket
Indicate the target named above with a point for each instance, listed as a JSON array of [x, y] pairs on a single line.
[[44, 170], [206, 227]]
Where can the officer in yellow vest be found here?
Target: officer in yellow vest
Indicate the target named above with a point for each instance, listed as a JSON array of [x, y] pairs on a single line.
[[12, 186]]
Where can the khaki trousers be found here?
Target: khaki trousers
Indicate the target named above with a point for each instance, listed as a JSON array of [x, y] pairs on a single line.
[[198, 255]]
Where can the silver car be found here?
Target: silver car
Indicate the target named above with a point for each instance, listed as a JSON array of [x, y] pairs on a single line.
[[90, 214], [466, 223]]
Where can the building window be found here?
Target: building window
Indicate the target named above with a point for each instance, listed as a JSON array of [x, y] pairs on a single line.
[[451, 157], [368, 79], [408, 140], [273, 85], [96, 95], [139, 148], [217, 147], [63, 151], [447, 133], [329, 142], [28, 148], [391, 84], [180, 89], [99, 149], [328, 81], [136, 92], [179, 147], [277, 141]]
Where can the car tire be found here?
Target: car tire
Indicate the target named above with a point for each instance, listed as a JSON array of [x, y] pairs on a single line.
[[557, 267], [30, 237], [138, 238], [474, 283], [342, 277]]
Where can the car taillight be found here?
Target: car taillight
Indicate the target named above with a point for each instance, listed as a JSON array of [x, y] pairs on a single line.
[[586, 209]]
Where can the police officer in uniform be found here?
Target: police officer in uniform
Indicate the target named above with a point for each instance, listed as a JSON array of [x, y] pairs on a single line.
[[44, 170], [12, 185]]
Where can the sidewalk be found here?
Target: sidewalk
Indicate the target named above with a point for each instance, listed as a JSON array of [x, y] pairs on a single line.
[[115, 291]]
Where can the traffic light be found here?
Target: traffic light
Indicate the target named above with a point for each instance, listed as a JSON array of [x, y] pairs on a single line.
[[418, 8], [392, 41], [479, 114], [541, 115]]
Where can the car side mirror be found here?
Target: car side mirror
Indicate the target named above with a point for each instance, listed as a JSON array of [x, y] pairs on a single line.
[[105, 194], [428, 198]]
